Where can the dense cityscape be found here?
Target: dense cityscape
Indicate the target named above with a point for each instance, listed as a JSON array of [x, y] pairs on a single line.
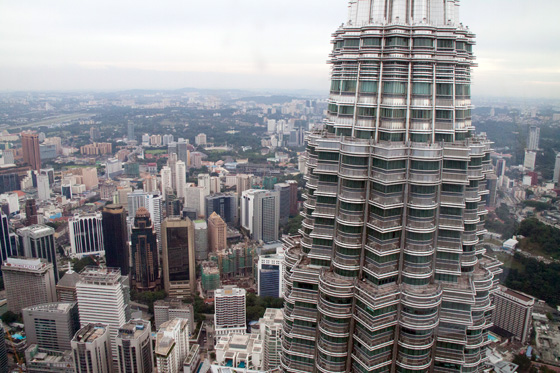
[[392, 223]]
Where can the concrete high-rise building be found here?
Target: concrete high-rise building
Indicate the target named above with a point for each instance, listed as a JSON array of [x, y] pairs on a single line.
[[166, 180], [530, 160], [284, 191], [135, 200], [200, 240], [293, 197], [37, 241], [194, 199], [260, 214], [556, 175], [86, 234], [172, 346], [513, 312], [154, 204], [116, 238], [217, 233], [244, 182], [7, 247], [270, 275], [181, 175], [173, 308], [178, 257], [31, 217], [92, 349], [230, 311], [103, 297], [224, 205], [41, 360], [533, 138], [52, 325], [43, 188], [204, 182], [271, 336], [390, 254], [134, 347], [144, 274], [130, 134], [31, 150], [200, 139], [28, 282]]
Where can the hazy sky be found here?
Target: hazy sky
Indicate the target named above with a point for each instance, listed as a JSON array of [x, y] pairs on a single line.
[[247, 44]]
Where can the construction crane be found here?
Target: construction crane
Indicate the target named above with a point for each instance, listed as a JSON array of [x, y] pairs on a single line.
[[19, 362]]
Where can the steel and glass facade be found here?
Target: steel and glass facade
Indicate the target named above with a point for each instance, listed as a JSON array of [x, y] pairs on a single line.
[[389, 273]]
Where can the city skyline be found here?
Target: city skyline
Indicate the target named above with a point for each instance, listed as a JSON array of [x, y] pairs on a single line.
[[106, 46]]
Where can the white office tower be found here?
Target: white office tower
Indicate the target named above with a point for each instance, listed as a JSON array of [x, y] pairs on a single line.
[[154, 204], [43, 188], [134, 347], [244, 182], [28, 282], [389, 274], [103, 296], [51, 325], [260, 214], [556, 175], [166, 180], [533, 138], [194, 199], [271, 335], [181, 178], [135, 200], [230, 311], [530, 160], [86, 234], [200, 139], [172, 346], [215, 185], [271, 126], [204, 182], [92, 348]]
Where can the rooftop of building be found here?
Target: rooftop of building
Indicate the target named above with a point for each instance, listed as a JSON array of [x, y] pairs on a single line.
[[90, 333], [36, 229], [59, 307], [164, 345], [46, 356], [172, 324], [100, 276], [516, 294], [172, 303], [134, 329], [25, 264], [69, 280], [229, 290]]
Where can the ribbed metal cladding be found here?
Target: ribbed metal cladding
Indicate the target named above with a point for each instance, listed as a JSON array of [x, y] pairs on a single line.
[[388, 273]]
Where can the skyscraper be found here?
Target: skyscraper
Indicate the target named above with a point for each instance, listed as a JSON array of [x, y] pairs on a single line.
[[533, 138], [154, 204], [31, 150], [260, 214], [28, 282], [200, 240], [43, 188], [144, 274], [31, 212], [134, 347], [178, 257], [388, 274], [37, 241], [4, 368], [181, 178], [7, 249], [116, 238], [224, 205], [230, 310], [103, 297], [217, 233], [92, 347], [556, 175], [51, 325], [283, 190], [86, 234]]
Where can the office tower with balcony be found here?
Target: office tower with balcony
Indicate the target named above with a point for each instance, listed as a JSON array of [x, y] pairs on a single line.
[[28, 282], [103, 297], [389, 273], [134, 347], [92, 349], [230, 311], [31, 150], [52, 325], [86, 234], [116, 238], [178, 257], [144, 274]]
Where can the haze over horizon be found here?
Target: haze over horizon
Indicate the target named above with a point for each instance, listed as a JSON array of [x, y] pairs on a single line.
[[242, 44]]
